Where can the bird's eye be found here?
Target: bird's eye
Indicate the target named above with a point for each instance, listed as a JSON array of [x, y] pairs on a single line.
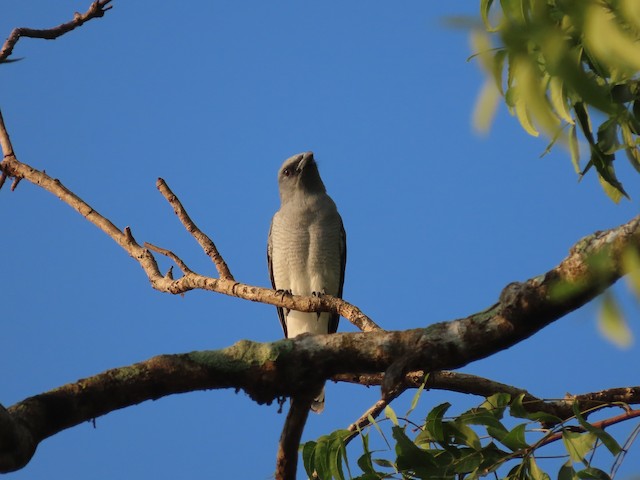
[[286, 172]]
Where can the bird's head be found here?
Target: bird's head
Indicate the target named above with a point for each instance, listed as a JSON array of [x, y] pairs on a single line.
[[299, 174]]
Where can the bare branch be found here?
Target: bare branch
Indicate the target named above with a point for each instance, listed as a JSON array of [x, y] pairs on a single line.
[[10, 166], [96, 10], [168, 253], [205, 242], [5, 143], [484, 387], [607, 422]]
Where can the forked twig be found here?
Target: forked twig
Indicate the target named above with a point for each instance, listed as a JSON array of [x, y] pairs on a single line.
[[205, 242], [96, 10]]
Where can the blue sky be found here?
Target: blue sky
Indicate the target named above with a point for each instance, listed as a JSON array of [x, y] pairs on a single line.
[[213, 98]]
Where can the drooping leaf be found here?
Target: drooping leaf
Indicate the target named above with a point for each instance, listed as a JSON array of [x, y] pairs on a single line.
[[608, 137], [364, 462], [534, 470], [558, 99], [391, 415], [524, 118], [578, 445], [337, 453], [608, 441], [631, 264], [308, 453], [611, 322], [574, 148], [485, 108], [416, 396], [613, 192], [485, 7]]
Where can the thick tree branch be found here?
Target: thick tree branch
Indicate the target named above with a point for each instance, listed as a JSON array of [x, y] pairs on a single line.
[[96, 10], [287, 457], [264, 371]]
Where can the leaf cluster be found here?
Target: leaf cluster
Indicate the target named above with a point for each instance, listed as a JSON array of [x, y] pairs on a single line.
[[497, 437], [568, 68]]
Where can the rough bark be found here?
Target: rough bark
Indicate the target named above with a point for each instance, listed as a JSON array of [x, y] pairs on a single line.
[[267, 371]]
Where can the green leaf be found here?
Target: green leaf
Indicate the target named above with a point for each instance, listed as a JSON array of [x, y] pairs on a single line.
[[592, 472], [574, 148], [611, 322], [534, 470], [492, 457], [608, 137], [496, 404], [364, 462], [485, 418], [558, 100], [337, 453], [630, 147], [631, 264], [465, 435], [613, 192], [583, 121], [578, 445], [417, 395], [308, 453], [567, 472], [391, 415], [522, 113], [517, 410], [515, 439], [498, 67], [633, 155], [409, 456], [384, 463], [608, 441], [321, 457], [433, 424], [485, 108], [468, 460], [485, 7]]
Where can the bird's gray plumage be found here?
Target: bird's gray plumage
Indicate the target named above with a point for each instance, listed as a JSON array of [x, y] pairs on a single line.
[[306, 249]]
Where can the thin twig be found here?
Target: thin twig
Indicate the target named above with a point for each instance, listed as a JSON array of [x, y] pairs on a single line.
[[168, 253], [607, 422], [205, 242], [96, 10], [5, 141]]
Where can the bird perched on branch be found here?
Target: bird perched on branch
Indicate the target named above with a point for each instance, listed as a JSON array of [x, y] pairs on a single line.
[[306, 249]]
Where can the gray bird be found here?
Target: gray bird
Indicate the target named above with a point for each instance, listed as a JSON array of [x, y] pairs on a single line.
[[307, 249]]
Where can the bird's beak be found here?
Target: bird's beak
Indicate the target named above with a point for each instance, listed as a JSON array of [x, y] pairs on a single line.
[[307, 158]]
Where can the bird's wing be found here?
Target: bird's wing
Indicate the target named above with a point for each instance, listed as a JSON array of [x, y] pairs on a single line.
[[333, 321], [273, 283]]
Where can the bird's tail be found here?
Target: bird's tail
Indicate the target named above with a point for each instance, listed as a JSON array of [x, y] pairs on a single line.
[[317, 406]]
